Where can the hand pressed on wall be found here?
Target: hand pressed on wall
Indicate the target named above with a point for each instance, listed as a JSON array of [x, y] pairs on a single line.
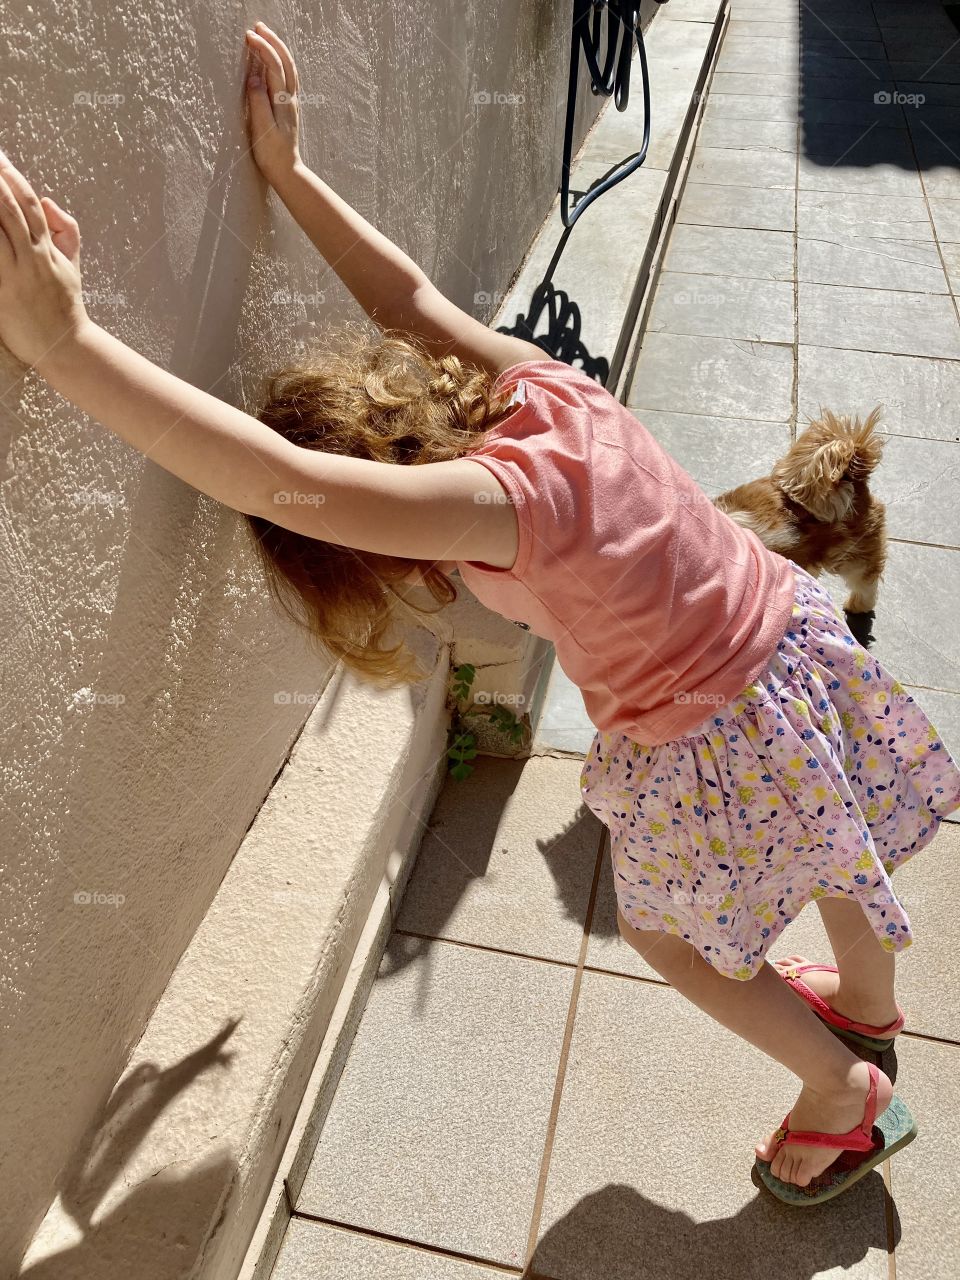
[[273, 116], [41, 303]]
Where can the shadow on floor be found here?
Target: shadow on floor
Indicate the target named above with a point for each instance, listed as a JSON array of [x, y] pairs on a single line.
[[618, 1234], [879, 84]]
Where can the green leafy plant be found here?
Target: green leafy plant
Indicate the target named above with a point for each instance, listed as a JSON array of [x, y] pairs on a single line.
[[463, 743]]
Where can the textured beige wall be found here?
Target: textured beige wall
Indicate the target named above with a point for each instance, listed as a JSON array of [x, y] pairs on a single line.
[[142, 664]]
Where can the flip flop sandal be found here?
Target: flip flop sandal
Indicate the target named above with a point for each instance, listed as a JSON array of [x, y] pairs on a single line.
[[862, 1033], [864, 1147]]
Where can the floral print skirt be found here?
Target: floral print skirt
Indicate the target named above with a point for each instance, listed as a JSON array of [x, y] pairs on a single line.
[[819, 780]]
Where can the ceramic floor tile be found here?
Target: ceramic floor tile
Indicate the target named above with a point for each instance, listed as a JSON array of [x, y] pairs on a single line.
[[717, 206], [745, 106], [775, 135], [938, 155], [818, 84], [925, 1176], [943, 708], [916, 628], [872, 264], [650, 1171], [766, 84], [436, 1130], [730, 167], [564, 724], [919, 481], [919, 397], [720, 453], [730, 251], [831, 215], [945, 71], [312, 1251], [864, 111], [881, 320], [723, 307], [507, 860], [713, 376], [826, 65], [862, 160], [776, 29], [828, 44], [946, 218], [951, 260]]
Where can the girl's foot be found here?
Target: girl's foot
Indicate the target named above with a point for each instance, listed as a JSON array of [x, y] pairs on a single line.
[[836, 1112], [874, 1012]]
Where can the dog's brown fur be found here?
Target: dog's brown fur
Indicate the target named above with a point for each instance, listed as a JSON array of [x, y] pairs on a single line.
[[817, 509]]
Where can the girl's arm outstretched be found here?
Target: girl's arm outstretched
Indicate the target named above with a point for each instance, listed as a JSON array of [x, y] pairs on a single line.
[[430, 512], [388, 284]]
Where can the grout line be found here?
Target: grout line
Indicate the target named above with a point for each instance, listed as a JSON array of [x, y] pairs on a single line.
[[931, 688], [537, 1213], [888, 1203], [480, 946], [417, 1245], [930, 1039], [915, 542]]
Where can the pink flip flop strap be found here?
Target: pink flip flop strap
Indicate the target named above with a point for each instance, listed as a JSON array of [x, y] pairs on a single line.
[[821, 1007], [860, 1138]]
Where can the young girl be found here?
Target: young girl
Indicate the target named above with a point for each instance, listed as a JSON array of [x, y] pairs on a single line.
[[750, 757]]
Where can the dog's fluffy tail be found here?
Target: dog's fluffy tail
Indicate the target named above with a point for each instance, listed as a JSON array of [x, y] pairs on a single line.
[[822, 469]]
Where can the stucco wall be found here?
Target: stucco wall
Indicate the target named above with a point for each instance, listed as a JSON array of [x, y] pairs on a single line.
[[150, 695]]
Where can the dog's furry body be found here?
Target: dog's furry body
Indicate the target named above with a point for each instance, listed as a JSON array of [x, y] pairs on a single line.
[[816, 506]]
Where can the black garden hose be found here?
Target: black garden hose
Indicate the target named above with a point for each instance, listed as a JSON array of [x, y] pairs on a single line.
[[622, 25]]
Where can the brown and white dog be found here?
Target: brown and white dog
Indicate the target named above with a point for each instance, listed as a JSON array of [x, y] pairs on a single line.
[[817, 509]]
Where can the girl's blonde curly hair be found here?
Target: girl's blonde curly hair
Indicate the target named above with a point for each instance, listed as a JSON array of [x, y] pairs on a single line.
[[379, 395]]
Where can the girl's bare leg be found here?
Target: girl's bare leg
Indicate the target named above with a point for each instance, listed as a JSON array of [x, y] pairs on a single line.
[[863, 989], [769, 1015]]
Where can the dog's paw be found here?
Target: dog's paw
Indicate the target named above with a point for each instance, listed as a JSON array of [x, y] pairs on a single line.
[[861, 627]]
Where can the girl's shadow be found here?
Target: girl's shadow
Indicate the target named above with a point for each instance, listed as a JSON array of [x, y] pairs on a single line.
[[618, 1234]]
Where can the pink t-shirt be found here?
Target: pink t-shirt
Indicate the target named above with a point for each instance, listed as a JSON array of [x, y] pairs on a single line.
[[660, 608]]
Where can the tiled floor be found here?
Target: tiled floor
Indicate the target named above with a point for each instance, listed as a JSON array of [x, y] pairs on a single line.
[[524, 1095]]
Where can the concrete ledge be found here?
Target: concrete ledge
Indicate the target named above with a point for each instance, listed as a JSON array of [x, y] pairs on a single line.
[[227, 1053]]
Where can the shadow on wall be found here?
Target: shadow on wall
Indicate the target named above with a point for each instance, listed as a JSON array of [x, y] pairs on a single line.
[[618, 1234], [156, 1226], [879, 85]]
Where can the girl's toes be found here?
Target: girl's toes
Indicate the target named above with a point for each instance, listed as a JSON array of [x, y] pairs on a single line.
[[767, 1149]]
